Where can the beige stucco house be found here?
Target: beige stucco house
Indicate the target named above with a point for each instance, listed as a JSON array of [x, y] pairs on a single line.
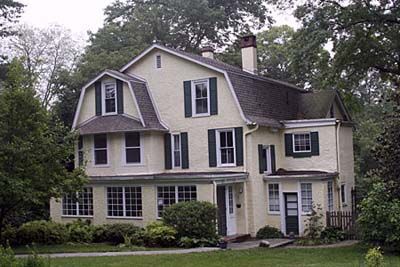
[[172, 126]]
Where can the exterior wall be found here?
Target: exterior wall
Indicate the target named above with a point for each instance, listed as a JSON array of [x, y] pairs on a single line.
[[346, 159]]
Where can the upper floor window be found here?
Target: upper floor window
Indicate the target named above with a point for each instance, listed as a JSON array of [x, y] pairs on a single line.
[[201, 97], [132, 148], [343, 193], [100, 149], [266, 154], [176, 151], [226, 147], [80, 150], [110, 97], [302, 142], [78, 204], [158, 61]]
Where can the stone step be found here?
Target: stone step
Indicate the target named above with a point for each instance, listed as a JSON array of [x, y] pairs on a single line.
[[237, 238]]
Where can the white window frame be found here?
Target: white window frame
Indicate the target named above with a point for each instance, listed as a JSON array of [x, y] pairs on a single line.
[[343, 188], [173, 149], [77, 206], [194, 113], [301, 195], [94, 153], [293, 142], [123, 203], [269, 198], [158, 56], [268, 163], [103, 96], [331, 201], [218, 146], [124, 151], [176, 195]]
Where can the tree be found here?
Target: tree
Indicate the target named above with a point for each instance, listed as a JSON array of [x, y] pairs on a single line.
[[34, 150], [9, 12]]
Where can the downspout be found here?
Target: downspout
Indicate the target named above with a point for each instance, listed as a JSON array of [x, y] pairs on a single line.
[[338, 160], [245, 144]]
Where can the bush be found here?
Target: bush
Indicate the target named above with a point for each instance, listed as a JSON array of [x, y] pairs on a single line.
[[314, 223], [80, 231], [374, 258], [9, 236], [269, 232], [42, 232], [7, 257], [332, 235], [157, 234], [118, 233], [193, 219], [35, 260], [187, 242]]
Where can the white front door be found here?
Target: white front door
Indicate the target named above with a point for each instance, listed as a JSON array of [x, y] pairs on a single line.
[[230, 210]]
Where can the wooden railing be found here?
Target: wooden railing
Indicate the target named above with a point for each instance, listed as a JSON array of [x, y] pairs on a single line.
[[344, 220]]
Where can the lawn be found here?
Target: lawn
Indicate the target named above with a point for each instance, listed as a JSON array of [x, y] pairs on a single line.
[[328, 257]]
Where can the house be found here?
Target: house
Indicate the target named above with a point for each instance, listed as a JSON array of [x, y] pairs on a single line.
[[172, 126]]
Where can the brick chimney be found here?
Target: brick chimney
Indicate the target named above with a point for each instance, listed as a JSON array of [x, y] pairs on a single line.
[[248, 44], [208, 52]]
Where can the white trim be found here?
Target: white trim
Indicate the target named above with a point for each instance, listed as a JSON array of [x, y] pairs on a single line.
[[173, 150], [291, 124], [218, 147], [135, 164], [145, 52], [193, 95], [279, 199], [94, 165], [293, 142], [103, 97]]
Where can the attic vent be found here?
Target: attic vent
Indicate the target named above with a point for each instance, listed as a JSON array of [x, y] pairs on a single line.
[[158, 62]]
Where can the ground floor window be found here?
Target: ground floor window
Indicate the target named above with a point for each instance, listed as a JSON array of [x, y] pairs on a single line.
[[306, 197], [273, 198], [78, 204], [330, 196], [124, 201], [169, 195], [343, 193]]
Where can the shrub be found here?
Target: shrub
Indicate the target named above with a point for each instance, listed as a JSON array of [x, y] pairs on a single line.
[[42, 232], [35, 260], [314, 223], [374, 258], [157, 234], [193, 219], [118, 233], [80, 231], [9, 236], [269, 232], [332, 235], [7, 257]]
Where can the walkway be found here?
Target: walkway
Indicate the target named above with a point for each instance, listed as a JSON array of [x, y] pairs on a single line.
[[274, 243]]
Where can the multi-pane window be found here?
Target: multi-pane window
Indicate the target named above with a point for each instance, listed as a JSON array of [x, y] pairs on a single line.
[[169, 195], [343, 193], [266, 154], [80, 150], [78, 204], [110, 97], [226, 147], [306, 197], [124, 201], [273, 198], [158, 62], [100, 149], [330, 196], [201, 97], [230, 199], [132, 148], [176, 152], [302, 142]]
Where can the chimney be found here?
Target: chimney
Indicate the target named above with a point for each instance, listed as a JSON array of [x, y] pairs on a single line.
[[248, 44], [208, 52]]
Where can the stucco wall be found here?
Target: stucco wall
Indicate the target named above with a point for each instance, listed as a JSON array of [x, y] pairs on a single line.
[[346, 161]]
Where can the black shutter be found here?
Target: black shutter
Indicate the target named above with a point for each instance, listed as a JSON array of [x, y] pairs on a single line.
[[167, 151], [185, 151], [120, 97], [187, 90], [288, 145], [273, 159], [213, 96], [212, 148], [239, 146], [261, 158], [314, 144], [97, 88]]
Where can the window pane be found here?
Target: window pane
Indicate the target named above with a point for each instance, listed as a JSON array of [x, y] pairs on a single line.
[[110, 105], [222, 139], [100, 156], [330, 196], [132, 139], [133, 155], [177, 159], [80, 142], [273, 197], [69, 205], [230, 155], [100, 141], [115, 201], [302, 142], [229, 138], [177, 143], [306, 197], [165, 197], [86, 202], [133, 201], [187, 193]]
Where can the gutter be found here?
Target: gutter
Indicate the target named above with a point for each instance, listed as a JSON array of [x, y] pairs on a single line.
[[245, 144]]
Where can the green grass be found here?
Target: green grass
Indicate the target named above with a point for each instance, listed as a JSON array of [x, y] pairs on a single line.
[[325, 257]]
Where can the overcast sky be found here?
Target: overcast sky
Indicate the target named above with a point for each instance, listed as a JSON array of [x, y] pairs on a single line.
[[82, 15]]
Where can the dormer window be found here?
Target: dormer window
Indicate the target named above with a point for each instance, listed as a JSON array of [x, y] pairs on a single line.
[[109, 97]]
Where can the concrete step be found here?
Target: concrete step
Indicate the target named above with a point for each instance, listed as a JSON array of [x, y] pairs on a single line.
[[237, 238]]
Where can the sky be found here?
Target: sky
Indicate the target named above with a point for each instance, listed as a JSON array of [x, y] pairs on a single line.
[[89, 15]]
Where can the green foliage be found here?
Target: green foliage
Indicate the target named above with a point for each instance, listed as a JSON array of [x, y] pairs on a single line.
[[314, 223], [42, 232], [118, 233], [194, 219], [187, 242], [8, 236], [269, 232], [80, 231], [374, 258], [10, 11], [157, 234], [7, 257], [35, 260], [332, 235]]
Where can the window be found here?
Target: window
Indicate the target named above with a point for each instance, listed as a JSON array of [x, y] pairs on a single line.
[[80, 150], [267, 159], [176, 152], [169, 195], [343, 193], [201, 99], [132, 148], [302, 142], [124, 202], [78, 204], [226, 147], [230, 199], [100, 149], [330, 196], [273, 198], [110, 97], [306, 197], [158, 62]]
